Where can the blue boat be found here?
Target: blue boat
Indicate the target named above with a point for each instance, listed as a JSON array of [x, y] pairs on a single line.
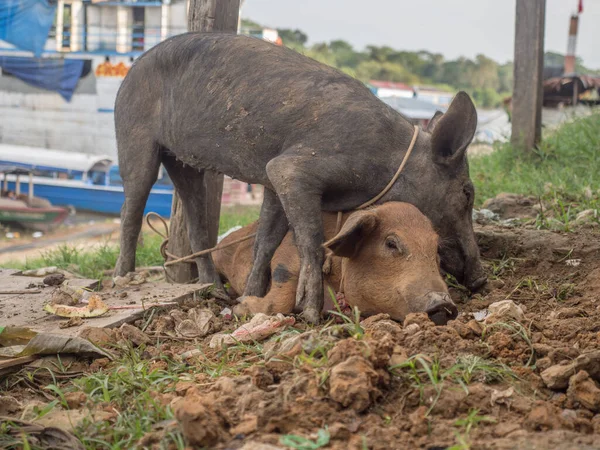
[[81, 181]]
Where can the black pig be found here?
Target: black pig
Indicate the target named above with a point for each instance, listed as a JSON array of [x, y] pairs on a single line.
[[316, 138]]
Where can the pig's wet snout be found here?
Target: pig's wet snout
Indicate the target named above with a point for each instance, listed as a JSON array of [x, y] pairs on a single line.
[[440, 308]]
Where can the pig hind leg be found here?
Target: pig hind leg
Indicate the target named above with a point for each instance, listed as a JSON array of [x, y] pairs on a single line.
[[189, 183], [272, 227], [139, 171]]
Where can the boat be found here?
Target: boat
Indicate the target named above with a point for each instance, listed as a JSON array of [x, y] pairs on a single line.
[[81, 181], [27, 210]]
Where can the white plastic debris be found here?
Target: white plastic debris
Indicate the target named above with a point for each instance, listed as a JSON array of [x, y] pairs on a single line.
[[37, 235], [484, 216], [573, 262], [260, 327]]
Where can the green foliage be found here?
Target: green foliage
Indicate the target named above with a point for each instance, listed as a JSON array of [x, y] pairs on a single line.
[[91, 263], [302, 443], [560, 172]]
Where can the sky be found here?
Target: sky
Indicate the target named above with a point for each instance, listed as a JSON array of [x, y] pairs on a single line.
[[451, 27]]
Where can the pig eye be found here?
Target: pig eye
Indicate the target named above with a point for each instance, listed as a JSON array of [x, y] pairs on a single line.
[[468, 191], [392, 244]]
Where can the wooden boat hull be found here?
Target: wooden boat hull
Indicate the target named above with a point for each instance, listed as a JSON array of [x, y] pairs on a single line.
[[39, 219]]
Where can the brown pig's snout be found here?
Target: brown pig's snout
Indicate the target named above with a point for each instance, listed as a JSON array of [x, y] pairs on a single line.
[[439, 307]]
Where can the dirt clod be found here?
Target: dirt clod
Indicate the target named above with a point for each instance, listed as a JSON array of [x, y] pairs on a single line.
[[584, 391], [353, 383], [54, 279], [134, 335], [98, 336], [200, 425]]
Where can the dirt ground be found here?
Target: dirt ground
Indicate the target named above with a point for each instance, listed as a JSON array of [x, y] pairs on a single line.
[[523, 378]]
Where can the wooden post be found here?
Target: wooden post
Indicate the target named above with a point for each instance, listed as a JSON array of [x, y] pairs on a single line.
[[528, 69], [30, 189], [203, 15]]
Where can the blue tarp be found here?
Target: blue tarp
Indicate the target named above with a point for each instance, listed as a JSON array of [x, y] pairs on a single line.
[[60, 75], [26, 23]]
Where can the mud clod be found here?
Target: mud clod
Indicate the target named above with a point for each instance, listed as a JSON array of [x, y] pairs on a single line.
[[353, 383], [584, 391]]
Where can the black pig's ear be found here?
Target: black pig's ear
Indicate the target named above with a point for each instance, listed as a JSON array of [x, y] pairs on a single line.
[[434, 121], [358, 226], [454, 130]]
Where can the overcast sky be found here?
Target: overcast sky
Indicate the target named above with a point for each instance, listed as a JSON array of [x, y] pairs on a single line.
[[450, 27]]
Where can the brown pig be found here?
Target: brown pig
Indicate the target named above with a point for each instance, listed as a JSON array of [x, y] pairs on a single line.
[[388, 256]]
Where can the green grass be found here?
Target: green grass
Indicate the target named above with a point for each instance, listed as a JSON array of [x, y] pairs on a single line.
[[91, 263], [562, 171]]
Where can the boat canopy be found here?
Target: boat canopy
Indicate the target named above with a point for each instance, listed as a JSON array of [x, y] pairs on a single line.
[[13, 170], [53, 160]]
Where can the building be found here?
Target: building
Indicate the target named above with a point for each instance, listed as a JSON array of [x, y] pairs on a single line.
[[62, 94], [433, 95], [390, 89], [418, 111]]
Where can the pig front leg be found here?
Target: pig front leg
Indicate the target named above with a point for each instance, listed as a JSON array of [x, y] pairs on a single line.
[[300, 192], [272, 227]]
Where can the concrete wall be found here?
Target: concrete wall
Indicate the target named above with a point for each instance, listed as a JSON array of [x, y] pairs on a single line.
[[36, 117]]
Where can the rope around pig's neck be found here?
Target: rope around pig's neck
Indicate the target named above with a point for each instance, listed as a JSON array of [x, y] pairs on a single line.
[[326, 266], [338, 226]]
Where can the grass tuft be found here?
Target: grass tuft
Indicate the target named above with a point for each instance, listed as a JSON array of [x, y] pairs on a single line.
[[560, 172]]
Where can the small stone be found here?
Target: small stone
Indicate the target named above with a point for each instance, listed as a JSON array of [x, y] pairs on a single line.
[[504, 310]]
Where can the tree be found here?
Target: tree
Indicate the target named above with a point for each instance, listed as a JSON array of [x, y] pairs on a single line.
[[292, 37]]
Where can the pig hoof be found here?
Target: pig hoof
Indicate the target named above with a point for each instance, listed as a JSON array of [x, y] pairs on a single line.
[[311, 315], [241, 310], [220, 294]]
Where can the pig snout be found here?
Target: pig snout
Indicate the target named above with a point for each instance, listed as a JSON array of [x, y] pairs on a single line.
[[475, 277], [439, 307]]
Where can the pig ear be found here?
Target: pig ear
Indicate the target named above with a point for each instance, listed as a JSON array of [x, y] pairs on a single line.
[[454, 130], [358, 226], [434, 121]]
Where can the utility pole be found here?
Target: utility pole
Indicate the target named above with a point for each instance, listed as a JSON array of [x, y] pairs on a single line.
[[205, 16], [529, 64]]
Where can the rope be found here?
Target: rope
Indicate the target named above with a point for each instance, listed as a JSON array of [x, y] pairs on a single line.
[[187, 259], [174, 259], [327, 264]]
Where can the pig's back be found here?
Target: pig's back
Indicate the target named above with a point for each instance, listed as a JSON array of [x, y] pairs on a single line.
[[241, 101]]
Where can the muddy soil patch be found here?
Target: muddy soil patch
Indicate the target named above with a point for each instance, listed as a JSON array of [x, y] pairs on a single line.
[[519, 374]]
